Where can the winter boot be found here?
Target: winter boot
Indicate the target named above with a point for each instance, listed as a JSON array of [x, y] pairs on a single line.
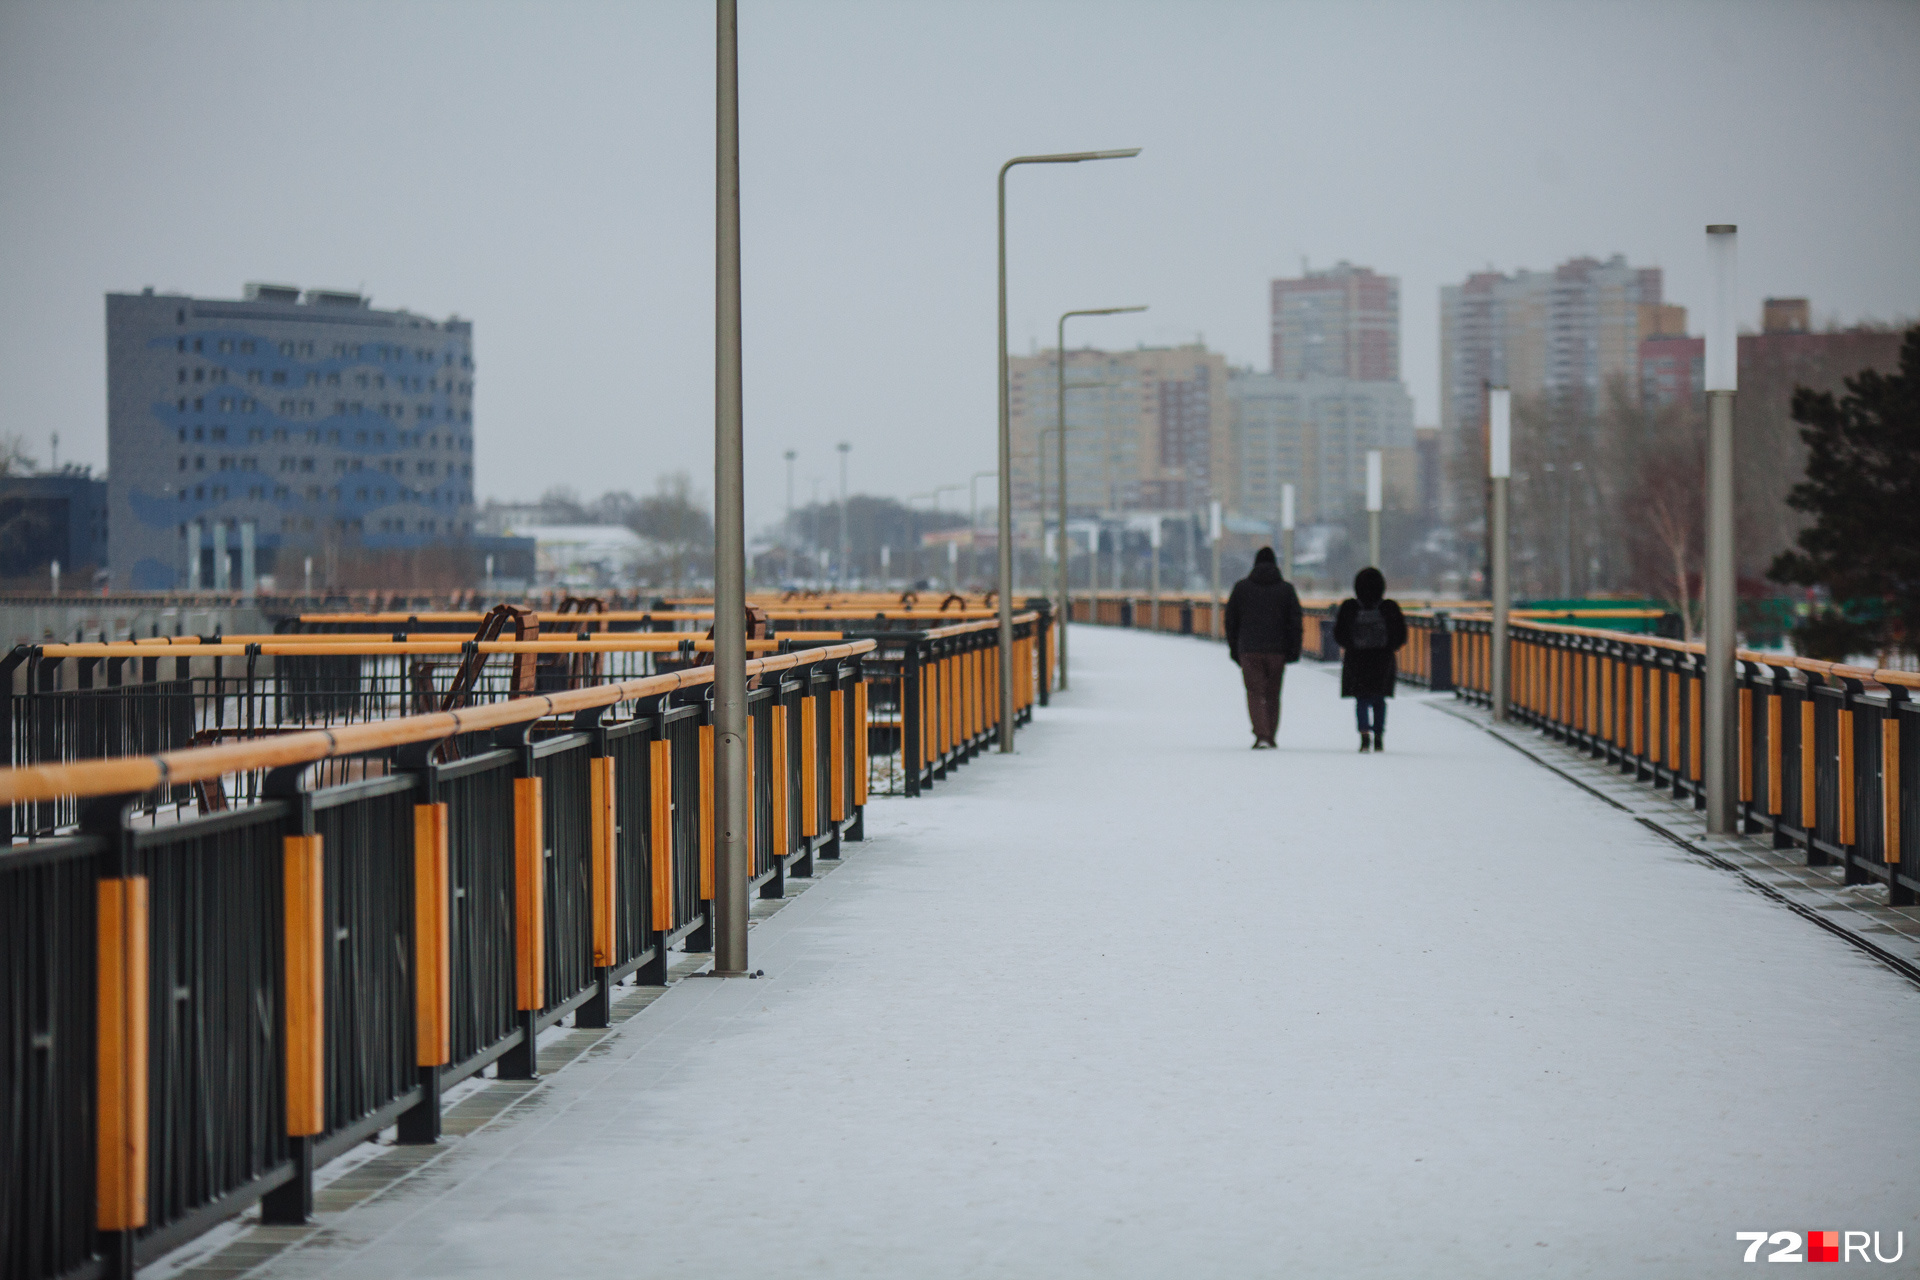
[[1379, 740], [1366, 743]]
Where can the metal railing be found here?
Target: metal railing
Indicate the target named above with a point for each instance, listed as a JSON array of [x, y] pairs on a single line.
[[199, 1011], [1827, 755]]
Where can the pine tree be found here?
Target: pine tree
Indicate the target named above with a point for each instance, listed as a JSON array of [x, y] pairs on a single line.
[[1863, 491]]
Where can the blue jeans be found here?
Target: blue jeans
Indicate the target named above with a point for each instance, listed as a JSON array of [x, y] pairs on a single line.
[[1378, 717]]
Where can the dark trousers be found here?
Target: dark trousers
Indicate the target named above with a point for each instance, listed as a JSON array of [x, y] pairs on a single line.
[[1378, 709], [1263, 674]]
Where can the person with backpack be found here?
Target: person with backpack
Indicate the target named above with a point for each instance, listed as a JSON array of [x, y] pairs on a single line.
[[1369, 630], [1263, 636]]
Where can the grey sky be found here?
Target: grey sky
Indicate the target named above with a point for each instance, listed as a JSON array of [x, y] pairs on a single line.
[[547, 170]]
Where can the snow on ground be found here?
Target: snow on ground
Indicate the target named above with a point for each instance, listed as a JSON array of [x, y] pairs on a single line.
[[1142, 1002]]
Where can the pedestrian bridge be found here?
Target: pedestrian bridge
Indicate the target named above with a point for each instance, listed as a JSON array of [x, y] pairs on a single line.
[[1137, 1001]]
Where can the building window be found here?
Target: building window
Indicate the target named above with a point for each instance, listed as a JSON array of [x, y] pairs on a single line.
[[256, 493], [226, 345], [183, 463], [246, 347], [199, 403], [199, 462], [286, 348], [219, 433], [200, 493], [280, 377], [199, 433], [183, 375]]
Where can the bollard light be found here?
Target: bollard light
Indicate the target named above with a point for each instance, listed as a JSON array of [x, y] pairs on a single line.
[[1499, 433], [1286, 528], [1373, 507], [1723, 323]]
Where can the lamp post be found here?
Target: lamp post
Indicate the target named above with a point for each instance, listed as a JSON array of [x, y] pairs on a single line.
[[1499, 470], [731, 802], [913, 533], [1060, 420], [973, 519], [1720, 759], [787, 533], [1286, 528], [1006, 436], [846, 543], [1373, 507], [1213, 537]]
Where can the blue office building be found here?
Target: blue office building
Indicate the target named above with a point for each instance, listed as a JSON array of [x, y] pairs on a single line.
[[259, 431]]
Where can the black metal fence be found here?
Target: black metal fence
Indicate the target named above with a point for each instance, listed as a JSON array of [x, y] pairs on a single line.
[[187, 1028]]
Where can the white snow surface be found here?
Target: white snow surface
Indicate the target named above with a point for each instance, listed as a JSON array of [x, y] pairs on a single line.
[[1141, 1002]]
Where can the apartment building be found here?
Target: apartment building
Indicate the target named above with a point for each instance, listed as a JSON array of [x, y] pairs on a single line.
[[1147, 430], [1343, 322], [1314, 433]]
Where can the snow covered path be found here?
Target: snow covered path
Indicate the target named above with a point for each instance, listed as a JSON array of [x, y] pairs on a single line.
[[1142, 1002]]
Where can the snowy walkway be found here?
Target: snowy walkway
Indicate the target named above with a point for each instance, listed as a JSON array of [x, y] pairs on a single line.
[[1145, 1003]]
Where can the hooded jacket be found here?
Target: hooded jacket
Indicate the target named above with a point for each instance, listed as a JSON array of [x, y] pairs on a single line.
[[1368, 673], [1263, 613]]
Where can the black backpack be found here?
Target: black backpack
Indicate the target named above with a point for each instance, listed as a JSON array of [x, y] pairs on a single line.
[[1369, 628]]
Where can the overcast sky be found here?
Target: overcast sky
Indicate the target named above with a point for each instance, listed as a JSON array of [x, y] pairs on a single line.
[[547, 171]]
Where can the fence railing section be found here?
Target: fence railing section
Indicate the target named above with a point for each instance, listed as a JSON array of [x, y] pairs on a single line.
[[196, 1013], [1827, 755]]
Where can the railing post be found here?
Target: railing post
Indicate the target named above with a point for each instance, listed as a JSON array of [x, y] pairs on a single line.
[[303, 1017], [1440, 656], [659, 889], [1897, 782], [910, 713], [522, 1062], [121, 1038]]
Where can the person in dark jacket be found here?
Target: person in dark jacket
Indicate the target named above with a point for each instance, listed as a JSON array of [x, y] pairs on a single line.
[[1263, 636], [1369, 630]]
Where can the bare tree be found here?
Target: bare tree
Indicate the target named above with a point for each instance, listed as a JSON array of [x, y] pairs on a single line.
[[14, 459]]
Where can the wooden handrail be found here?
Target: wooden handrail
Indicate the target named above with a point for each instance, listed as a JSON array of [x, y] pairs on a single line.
[[1838, 670], [134, 774], [375, 646], [571, 621]]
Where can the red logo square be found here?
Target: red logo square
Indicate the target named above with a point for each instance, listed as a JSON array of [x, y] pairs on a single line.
[[1823, 1246]]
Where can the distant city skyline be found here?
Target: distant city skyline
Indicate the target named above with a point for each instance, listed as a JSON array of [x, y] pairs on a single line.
[[570, 203]]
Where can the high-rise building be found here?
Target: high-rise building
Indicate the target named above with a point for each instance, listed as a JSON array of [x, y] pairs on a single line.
[[1147, 430], [1566, 332], [1314, 433], [281, 421], [1343, 322]]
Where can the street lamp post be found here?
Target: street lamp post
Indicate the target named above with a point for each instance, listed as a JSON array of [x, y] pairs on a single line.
[[1499, 470], [1006, 435], [845, 541], [973, 519], [1213, 538], [1373, 507], [787, 534], [1720, 761], [731, 801], [1060, 420]]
